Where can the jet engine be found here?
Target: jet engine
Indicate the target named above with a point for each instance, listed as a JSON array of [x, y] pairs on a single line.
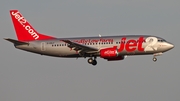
[[116, 58], [108, 53], [111, 54]]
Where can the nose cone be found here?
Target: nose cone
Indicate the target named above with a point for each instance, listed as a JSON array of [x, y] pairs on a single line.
[[169, 46]]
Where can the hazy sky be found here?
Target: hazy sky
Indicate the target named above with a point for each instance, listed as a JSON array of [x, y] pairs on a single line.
[[30, 77]]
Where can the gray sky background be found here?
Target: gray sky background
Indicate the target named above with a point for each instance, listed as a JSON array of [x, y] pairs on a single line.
[[31, 77]]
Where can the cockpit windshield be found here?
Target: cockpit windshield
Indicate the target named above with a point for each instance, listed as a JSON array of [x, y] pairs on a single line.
[[161, 40]]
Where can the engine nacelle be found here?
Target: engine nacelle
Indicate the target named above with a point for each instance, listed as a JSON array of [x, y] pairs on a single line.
[[116, 58], [109, 53]]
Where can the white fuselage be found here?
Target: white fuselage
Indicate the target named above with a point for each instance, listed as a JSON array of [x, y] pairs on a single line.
[[58, 48]]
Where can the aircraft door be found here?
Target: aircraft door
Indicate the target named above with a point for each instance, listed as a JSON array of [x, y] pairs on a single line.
[[43, 46]]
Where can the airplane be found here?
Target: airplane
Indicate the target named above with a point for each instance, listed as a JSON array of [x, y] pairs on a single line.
[[111, 48]]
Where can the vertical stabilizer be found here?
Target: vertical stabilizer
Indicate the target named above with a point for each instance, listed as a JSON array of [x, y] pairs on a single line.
[[24, 31]]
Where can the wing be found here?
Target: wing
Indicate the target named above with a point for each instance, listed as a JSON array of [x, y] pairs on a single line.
[[82, 49]]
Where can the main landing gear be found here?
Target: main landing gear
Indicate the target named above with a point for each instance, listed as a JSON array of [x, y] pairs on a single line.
[[92, 61]]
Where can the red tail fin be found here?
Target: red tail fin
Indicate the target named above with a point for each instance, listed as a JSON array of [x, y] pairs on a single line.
[[24, 31]]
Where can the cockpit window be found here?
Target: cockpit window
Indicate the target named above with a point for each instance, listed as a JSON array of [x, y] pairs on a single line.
[[161, 40]]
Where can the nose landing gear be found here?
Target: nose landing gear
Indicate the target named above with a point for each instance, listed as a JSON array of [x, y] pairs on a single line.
[[154, 59], [92, 61], [156, 54]]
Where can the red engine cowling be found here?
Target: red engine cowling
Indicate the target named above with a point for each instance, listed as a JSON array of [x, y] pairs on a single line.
[[111, 54], [108, 53], [116, 58]]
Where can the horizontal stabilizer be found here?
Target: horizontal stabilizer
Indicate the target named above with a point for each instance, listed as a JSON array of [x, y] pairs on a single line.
[[16, 42]]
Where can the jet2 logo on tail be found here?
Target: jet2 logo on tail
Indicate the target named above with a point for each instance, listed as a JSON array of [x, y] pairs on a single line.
[[25, 24]]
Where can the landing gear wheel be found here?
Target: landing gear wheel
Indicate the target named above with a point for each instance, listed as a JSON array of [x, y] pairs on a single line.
[[154, 59], [90, 60], [94, 62]]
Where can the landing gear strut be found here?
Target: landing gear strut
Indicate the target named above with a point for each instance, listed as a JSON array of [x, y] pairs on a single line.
[[92, 61], [156, 54]]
